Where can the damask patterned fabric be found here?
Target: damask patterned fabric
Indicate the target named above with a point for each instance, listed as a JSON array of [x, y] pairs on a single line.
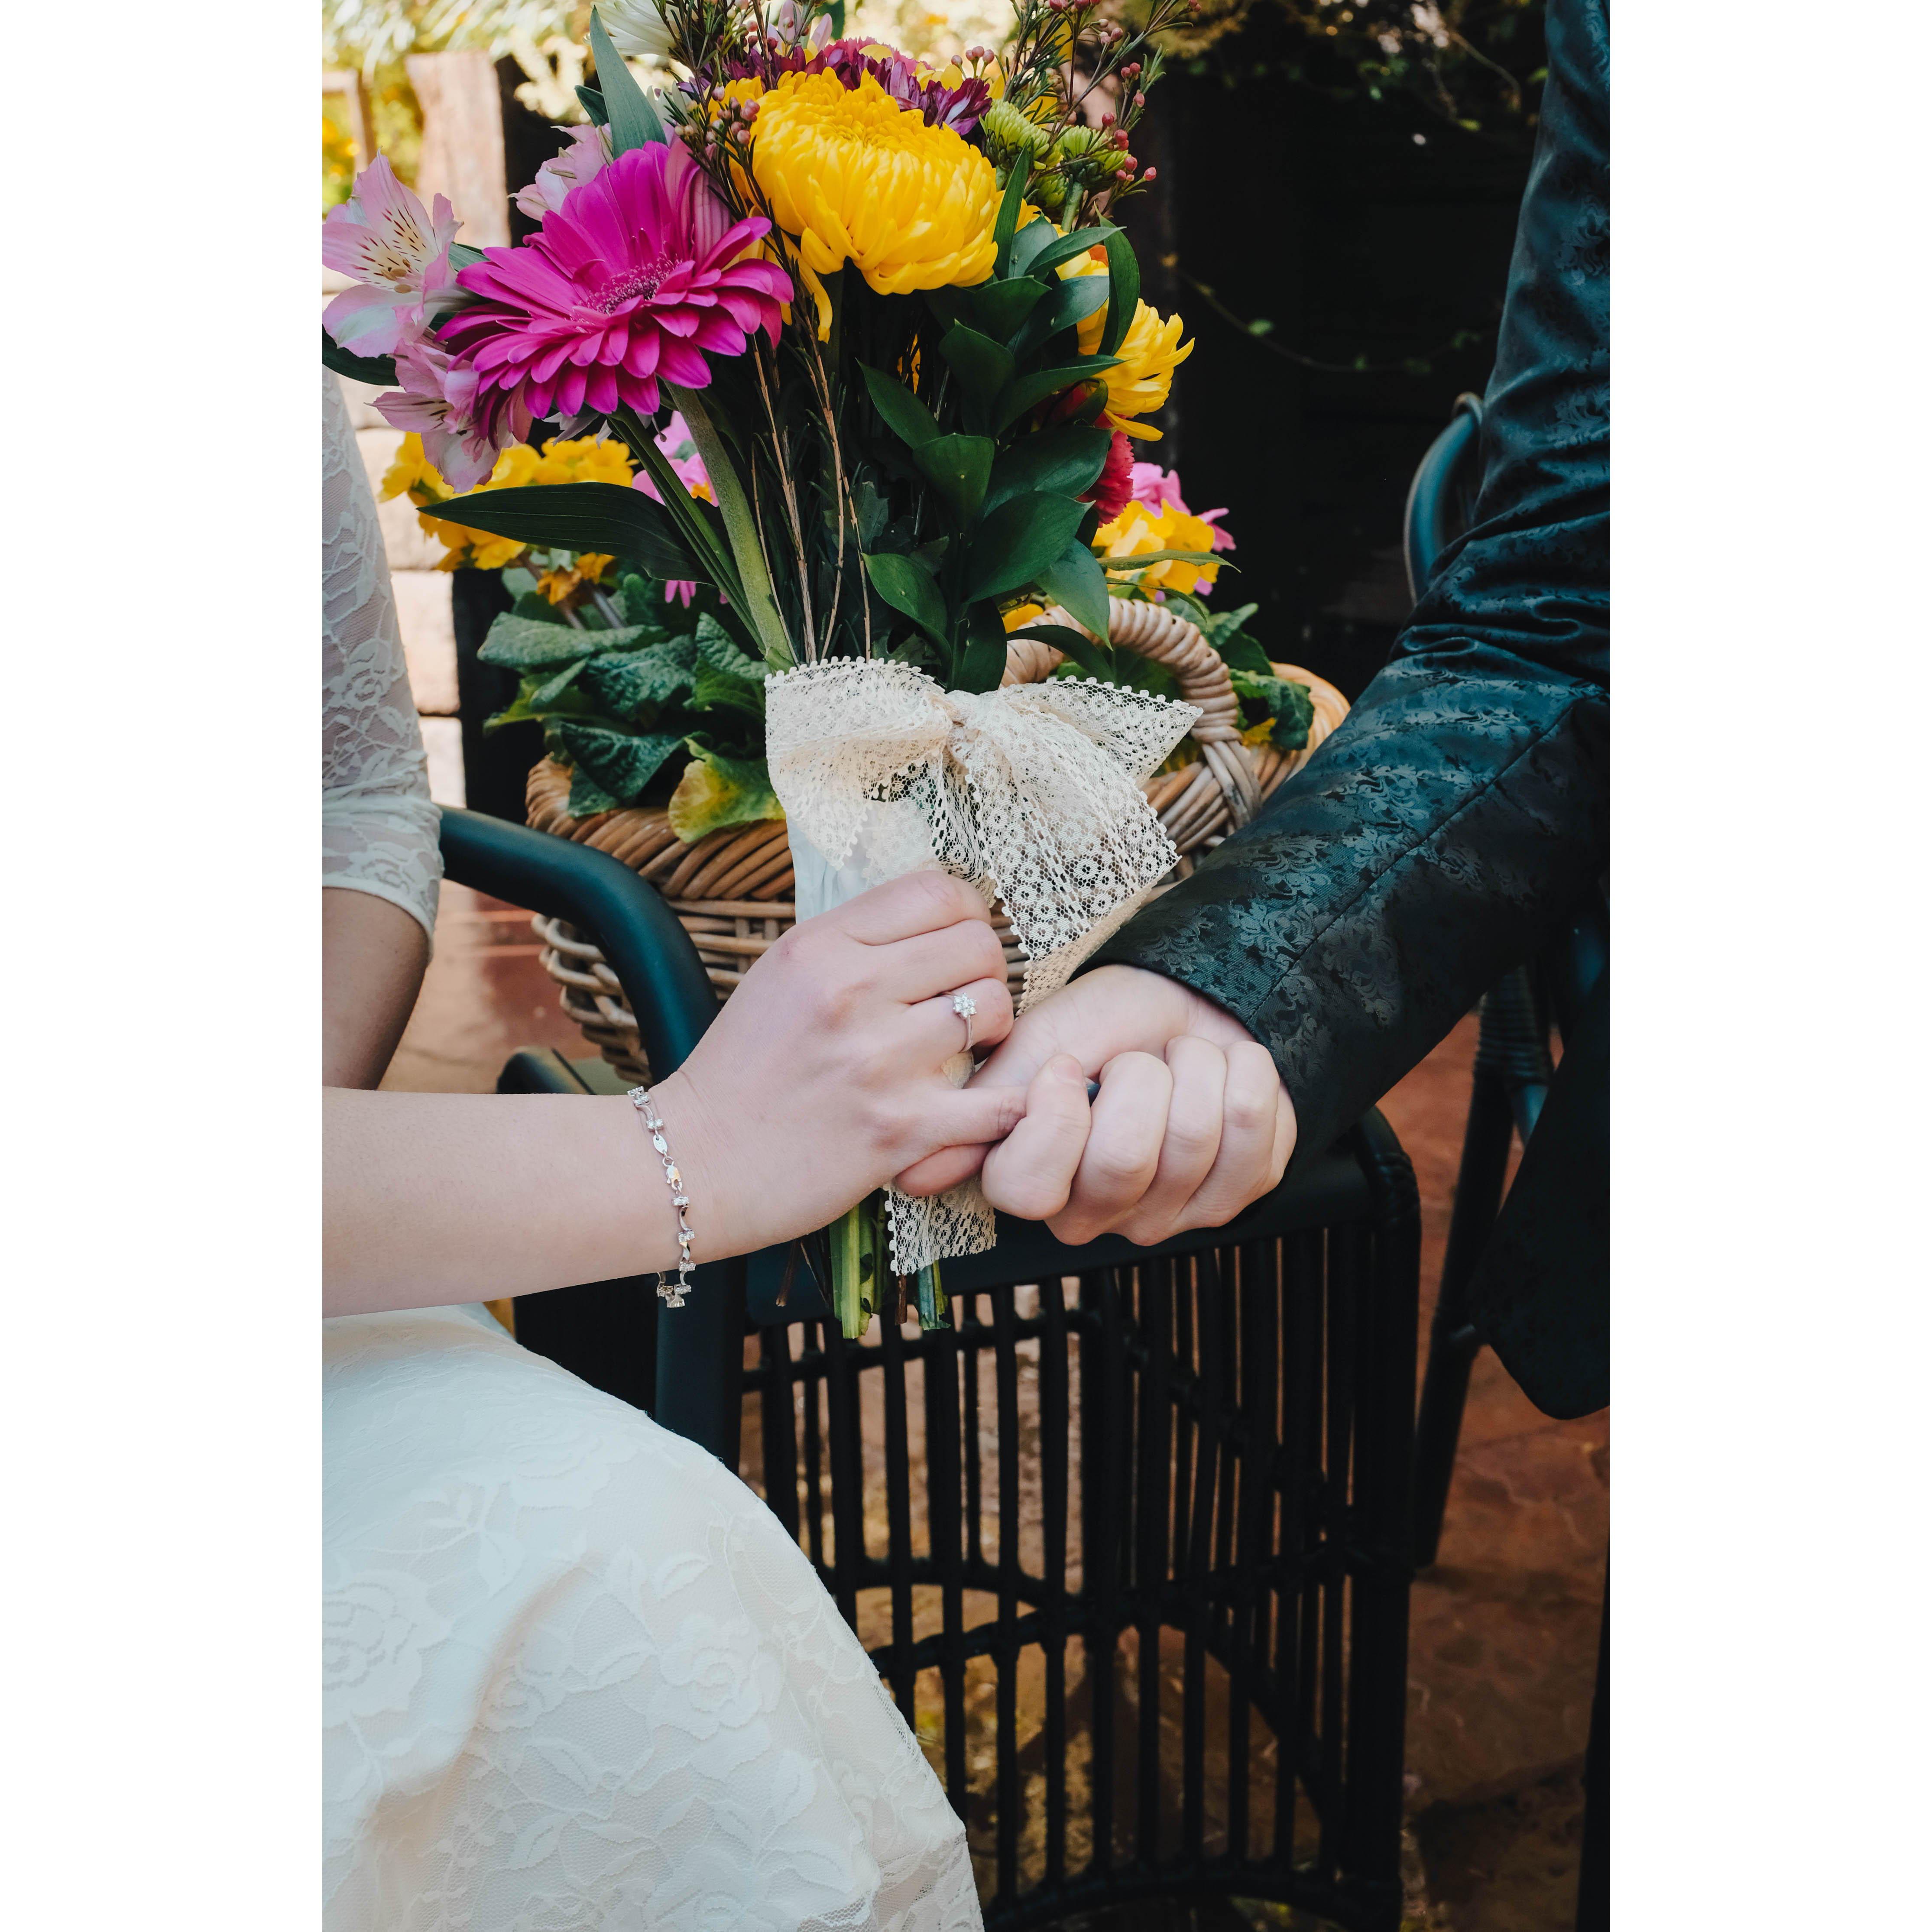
[[1462, 810], [378, 828], [577, 1679]]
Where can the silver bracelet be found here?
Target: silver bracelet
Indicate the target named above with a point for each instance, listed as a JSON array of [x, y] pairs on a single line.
[[669, 1292]]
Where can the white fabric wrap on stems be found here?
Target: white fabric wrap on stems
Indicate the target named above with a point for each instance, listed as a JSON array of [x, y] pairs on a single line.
[[1031, 793]]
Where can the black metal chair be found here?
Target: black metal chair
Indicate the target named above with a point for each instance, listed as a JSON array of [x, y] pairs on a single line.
[[1197, 1463]]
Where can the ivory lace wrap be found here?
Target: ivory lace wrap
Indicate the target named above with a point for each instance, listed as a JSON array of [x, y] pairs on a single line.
[[1032, 793]]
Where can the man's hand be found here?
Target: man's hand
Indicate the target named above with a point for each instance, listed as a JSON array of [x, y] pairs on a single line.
[[1192, 1122]]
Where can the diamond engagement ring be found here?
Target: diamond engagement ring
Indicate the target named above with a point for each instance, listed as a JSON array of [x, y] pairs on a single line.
[[963, 1005]]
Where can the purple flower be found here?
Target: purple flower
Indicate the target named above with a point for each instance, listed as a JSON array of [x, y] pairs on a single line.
[[437, 400]]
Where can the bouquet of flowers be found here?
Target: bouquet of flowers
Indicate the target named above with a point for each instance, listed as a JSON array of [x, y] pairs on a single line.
[[839, 360]]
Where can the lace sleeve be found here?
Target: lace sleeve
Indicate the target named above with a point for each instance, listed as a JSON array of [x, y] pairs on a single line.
[[378, 828]]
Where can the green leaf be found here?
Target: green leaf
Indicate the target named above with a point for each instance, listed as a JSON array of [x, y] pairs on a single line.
[[1061, 462], [633, 121], [1075, 645], [605, 518], [981, 662], [1018, 541], [717, 690], [1288, 704], [1000, 307], [1071, 301], [592, 103], [983, 366], [622, 762], [622, 683], [380, 369], [548, 693], [1008, 218], [1164, 556], [1018, 396], [1076, 579], [1037, 234], [534, 607], [587, 797], [957, 467], [1123, 281], [909, 589], [1064, 248], [903, 414], [523, 643], [715, 647], [717, 791]]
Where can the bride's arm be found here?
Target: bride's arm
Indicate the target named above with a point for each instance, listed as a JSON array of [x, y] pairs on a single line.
[[373, 957], [819, 1081]]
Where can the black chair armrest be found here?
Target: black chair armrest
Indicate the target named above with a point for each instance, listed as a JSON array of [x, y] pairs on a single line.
[[651, 953]]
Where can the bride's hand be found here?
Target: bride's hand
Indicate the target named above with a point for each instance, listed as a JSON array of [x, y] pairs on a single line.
[[820, 1078]]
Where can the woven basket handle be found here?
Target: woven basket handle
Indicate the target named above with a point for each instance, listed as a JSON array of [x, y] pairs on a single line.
[[1166, 637]]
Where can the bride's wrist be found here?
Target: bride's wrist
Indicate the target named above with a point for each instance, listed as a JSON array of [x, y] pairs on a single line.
[[713, 1214]]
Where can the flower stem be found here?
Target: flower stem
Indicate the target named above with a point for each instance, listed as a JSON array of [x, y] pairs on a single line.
[[760, 608]]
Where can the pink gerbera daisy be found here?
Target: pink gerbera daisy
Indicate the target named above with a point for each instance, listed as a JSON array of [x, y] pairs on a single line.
[[639, 275]]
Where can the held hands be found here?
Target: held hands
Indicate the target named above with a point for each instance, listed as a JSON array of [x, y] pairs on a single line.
[[820, 1078], [1191, 1124]]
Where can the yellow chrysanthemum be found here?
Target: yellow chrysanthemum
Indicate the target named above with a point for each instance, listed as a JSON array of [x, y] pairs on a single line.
[[1143, 528], [1138, 385], [858, 178], [1093, 262]]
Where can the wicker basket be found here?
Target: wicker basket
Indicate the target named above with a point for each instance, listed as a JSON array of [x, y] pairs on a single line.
[[733, 889]]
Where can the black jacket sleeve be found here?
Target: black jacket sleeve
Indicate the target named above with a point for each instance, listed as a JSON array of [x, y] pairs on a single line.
[[1461, 810]]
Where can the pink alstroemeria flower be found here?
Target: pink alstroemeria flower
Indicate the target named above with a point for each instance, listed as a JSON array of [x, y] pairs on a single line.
[[1154, 486], [398, 254], [588, 155], [639, 277], [437, 400]]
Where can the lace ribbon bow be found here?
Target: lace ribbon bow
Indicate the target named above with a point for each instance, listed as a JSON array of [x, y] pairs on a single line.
[[1032, 793]]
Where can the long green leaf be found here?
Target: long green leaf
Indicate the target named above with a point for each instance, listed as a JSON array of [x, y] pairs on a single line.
[[633, 121], [981, 662], [983, 366], [1064, 248], [1165, 556], [909, 590], [755, 600], [1000, 307], [592, 101], [1008, 217], [1123, 279], [604, 518], [957, 467], [380, 369], [1028, 244], [1091, 657], [902, 412], [1024, 392], [1070, 303], [1060, 462], [1014, 545], [1076, 579]]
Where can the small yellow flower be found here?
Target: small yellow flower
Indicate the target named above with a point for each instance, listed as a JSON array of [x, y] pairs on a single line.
[[1142, 528], [858, 178], [413, 475], [1021, 615], [1138, 385]]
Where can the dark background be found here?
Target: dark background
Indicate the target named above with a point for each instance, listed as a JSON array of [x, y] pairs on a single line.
[[1309, 203]]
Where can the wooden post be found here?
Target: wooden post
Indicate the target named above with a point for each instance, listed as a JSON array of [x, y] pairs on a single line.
[[348, 82], [463, 142]]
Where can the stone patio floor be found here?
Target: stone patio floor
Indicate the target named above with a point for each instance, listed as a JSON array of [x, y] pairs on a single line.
[[1504, 1626]]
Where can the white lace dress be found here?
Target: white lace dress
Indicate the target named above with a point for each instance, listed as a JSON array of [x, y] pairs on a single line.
[[575, 1675]]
